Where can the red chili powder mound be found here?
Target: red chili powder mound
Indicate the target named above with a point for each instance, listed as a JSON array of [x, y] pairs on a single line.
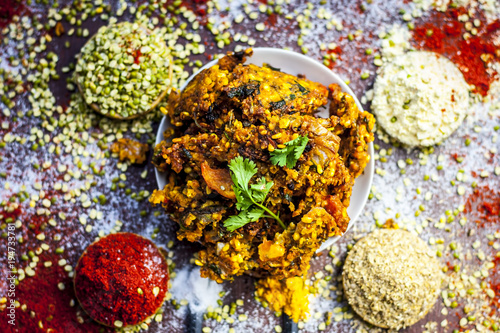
[[441, 32], [121, 277], [45, 307], [483, 206]]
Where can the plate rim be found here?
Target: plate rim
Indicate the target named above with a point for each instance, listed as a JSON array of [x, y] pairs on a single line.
[[368, 171]]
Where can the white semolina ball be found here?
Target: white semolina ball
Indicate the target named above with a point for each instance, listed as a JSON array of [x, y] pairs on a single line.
[[420, 98]]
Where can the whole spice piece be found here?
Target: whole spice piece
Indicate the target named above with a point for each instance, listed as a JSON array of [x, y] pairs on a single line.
[[121, 280], [59, 29], [391, 279]]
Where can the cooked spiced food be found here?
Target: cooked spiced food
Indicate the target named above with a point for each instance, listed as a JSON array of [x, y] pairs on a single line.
[[121, 280], [253, 174]]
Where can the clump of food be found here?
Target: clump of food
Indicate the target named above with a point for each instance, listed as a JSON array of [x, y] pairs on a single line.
[[253, 174], [289, 295], [128, 149], [124, 70], [391, 278], [420, 98], [121, 280]]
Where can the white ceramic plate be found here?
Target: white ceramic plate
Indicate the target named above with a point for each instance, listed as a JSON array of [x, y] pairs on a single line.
[[295, 63]]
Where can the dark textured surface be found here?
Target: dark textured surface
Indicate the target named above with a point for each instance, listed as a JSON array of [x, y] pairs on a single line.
[[17, 160]]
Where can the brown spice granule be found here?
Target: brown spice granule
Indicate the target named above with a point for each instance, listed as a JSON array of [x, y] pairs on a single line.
[[391, 279]]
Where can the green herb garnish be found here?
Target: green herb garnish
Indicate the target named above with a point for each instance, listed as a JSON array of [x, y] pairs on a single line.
[[291, 153], [249, 197]]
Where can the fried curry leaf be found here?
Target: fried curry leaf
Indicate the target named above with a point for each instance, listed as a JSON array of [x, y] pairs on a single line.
[[291, 153], [271, 67], [244, 91], [277, 105], [301, 88], [249, 198]]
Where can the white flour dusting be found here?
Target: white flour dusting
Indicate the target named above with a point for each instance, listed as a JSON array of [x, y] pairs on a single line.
[[199, 292]]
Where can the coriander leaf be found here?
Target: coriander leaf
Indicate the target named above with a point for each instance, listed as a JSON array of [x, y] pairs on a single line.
[[243, 201], [299, 146], [278, 157], [237, 221], [261, 189], [291, 153], [242, 171], [255, 213], [249, 197]]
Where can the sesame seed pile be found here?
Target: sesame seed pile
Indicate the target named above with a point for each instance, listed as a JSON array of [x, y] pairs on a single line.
[[391, 278]]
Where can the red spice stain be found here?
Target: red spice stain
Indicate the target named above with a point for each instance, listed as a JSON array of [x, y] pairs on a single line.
[[34, 222], [201, 12], [11, 214], [495, 286], [457, 157], [471, 65], [450, 266], [38, 223], [483, 206], [136, 54], [10, 8], [48, 309], [337, 51], [441, 32], [199, 7], [271, 20]]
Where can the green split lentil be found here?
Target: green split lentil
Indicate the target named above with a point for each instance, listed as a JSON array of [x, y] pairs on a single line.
[[124, 69]]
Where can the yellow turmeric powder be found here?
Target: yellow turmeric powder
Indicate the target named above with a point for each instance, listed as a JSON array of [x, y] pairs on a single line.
[[288, 295]]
